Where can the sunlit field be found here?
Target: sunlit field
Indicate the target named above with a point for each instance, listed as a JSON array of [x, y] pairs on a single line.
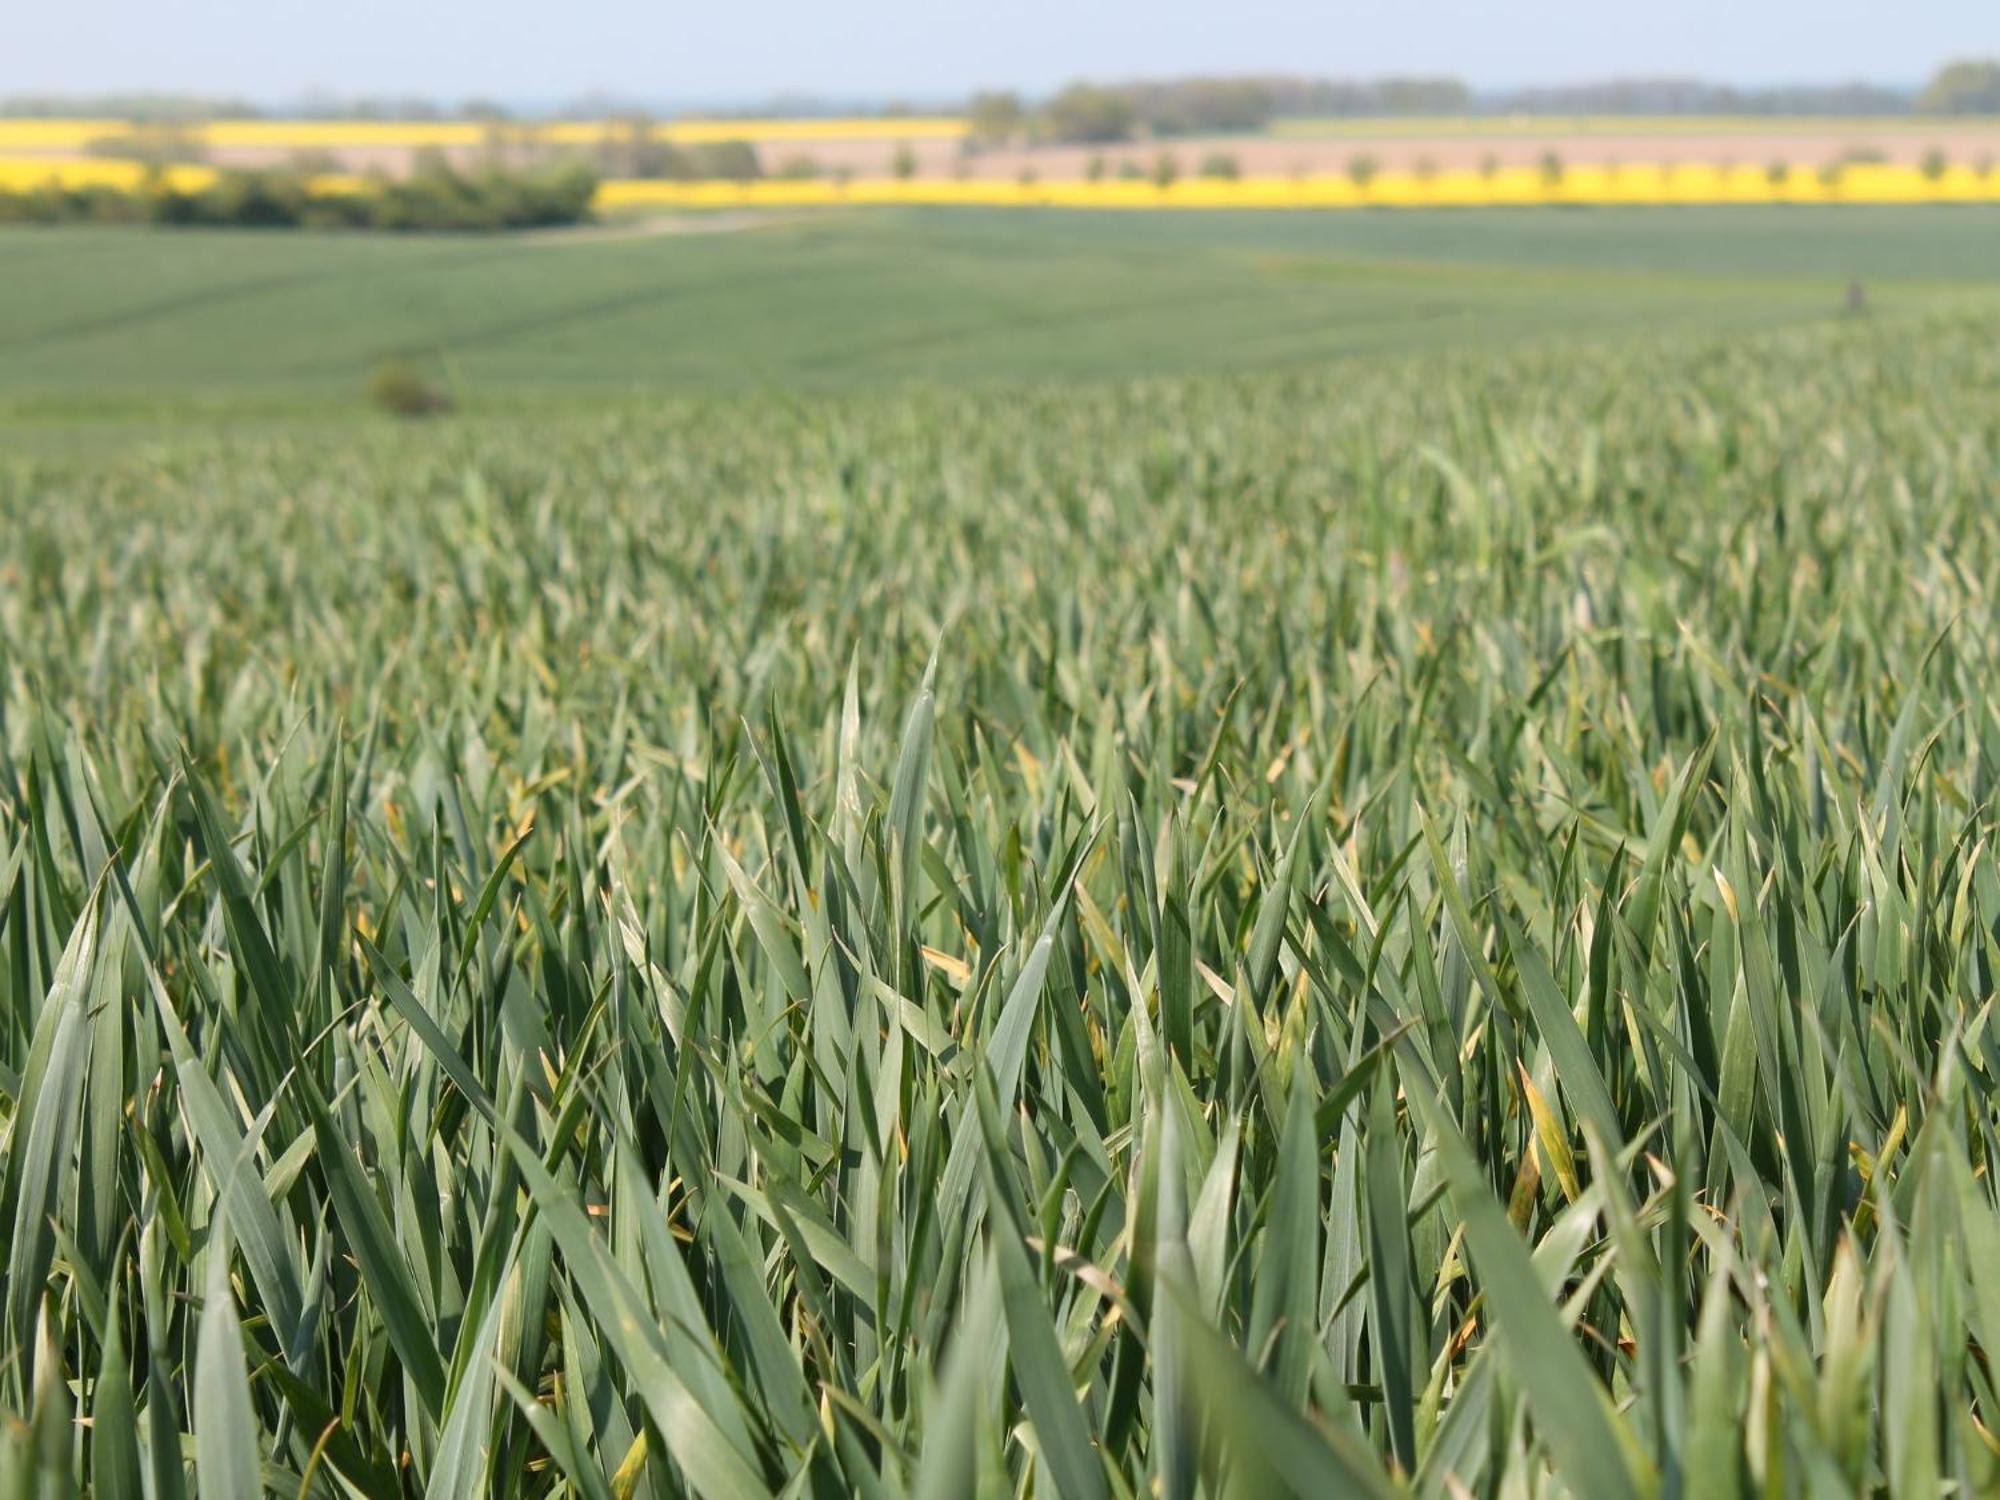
[[1001, 853]]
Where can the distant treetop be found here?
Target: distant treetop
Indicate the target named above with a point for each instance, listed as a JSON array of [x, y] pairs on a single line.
[[1971, 87]]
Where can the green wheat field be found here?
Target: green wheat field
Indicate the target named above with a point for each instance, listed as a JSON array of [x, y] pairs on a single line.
[[1422, 923]]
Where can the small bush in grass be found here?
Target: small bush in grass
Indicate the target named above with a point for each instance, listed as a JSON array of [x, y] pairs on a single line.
[[398, 387], [1363, 169], [1166, 169], [1093, 170], [1552, 168], [904, 164], [1935, 164], [1778, 173], [1221, 166]]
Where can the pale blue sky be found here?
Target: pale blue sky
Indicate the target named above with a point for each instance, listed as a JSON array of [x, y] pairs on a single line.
[[544, 50]]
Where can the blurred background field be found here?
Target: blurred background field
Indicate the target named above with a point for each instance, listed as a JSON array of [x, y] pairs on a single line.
[[103, 319]]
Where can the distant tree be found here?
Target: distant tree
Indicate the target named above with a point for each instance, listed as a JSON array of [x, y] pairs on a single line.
[[904, 163], [1362, 169], [1552, 167], [632, 148], [1093, 170], [799, 167], [1778, 173], [1935, 163], [1968, 87], [1221, 166], [1203, 106], [1425, 167], [993, 118], [1130, 171], [730, 161], [1489, 165], [1166, 168], [1087, 113]]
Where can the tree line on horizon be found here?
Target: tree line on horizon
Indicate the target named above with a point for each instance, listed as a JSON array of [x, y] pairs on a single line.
[[1098, 113], [1091, 111]]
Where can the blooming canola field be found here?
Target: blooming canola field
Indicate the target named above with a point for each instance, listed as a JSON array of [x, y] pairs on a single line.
[[1634, 184]]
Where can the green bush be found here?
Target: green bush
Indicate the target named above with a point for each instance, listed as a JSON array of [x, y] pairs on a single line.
[[436, 197], [396, 386], [1220, 165]]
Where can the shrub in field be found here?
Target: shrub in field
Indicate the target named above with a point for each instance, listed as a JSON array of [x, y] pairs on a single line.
[[396, 386], [1166, 169], [1446, 949], [1935, 163], [1551, 164], [1363, 169], [436, 197], [1220, 165], [904, 164]]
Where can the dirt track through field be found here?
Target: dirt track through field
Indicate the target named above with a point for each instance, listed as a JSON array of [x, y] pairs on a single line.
[[655, 226]]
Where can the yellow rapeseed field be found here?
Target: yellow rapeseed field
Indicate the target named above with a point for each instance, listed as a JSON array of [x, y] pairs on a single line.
[[1583, 186], [1510, 186], [22, 174]]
